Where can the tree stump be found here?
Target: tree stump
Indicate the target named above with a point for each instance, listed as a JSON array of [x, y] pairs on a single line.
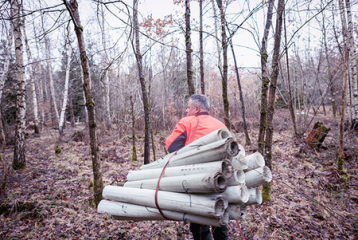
[[317, 135]]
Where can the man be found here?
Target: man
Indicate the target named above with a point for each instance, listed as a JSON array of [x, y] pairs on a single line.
[[197, 124]]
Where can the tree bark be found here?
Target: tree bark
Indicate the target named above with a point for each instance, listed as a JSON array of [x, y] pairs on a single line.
[[189, 70], [19, 160], [201, 51], [134, 149], [265, 79], [72, 7], [340, 160], [65, 92], [142, 83], [32, 79], [290, 99], [317, 135], [225, 66], [266, 193]]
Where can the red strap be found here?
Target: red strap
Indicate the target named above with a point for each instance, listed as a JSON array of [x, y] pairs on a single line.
[[157, 188], [162, 173], [238, 225]]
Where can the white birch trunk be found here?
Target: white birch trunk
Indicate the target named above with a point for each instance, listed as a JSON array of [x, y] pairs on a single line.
[[32, 81], [352, 62], [181, 202], [196, 183], [127, 211], [7, 60], [223, 167], [19, 160], [65, 92]]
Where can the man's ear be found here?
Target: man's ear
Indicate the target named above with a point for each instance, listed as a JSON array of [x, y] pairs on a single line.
[[197, 109]]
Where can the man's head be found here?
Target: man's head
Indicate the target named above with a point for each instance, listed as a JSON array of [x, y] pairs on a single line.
[[197, 103]]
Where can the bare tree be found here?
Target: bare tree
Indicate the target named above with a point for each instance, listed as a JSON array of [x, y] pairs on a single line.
[[225, 65], [266, 188], [264, 78], [201, 52], [142, 83], [67, 80], [189, 67], [19, 160], [72, 8]]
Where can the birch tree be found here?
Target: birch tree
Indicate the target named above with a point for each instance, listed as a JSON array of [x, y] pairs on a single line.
[[19, 160], [65, 90], [32, 79], [72, 8]]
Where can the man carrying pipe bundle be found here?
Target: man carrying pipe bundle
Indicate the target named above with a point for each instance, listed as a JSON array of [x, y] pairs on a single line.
[[197, 124]]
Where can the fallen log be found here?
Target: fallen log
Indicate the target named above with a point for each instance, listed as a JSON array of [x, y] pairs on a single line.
[[222, 149], [223, 167], [127, 211], [195, 183], [208, 206], [258, 176]]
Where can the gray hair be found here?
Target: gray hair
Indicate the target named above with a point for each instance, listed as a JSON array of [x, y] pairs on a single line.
[[201, 101]]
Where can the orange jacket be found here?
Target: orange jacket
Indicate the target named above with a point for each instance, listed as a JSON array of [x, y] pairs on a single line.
[[183, 133]]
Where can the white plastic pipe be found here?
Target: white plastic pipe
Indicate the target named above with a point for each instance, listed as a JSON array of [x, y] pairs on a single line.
[[222, 149], [196, 183], [208, 206], [238, 163], [127, 211], [235, 194], [254, 161], [237, 178], [258, 176], [236, 211], [255, 197], [223, 166], [217, 135]]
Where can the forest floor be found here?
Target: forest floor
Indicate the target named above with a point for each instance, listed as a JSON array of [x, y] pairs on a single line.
[[52, 197]]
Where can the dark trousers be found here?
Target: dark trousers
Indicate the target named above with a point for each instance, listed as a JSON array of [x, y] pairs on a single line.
[[202, 232]]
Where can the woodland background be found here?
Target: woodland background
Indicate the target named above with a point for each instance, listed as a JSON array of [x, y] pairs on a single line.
[[87, 97]]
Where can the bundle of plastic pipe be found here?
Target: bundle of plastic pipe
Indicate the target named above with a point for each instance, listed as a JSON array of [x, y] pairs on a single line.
[[205, 182]]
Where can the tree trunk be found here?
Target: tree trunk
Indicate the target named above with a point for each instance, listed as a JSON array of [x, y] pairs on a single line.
[[189, 70], [142, 83], [72, 7], [266, 193], [201, 60], [32, 80], [49, 69], [134, 149], [247, 140], [65, 92], [225, 66], [2, 127], [19, 160], [106, 66], [72, 116], [265, 79], [353, 63], [317, 135], [290, 99], [340, 160]]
